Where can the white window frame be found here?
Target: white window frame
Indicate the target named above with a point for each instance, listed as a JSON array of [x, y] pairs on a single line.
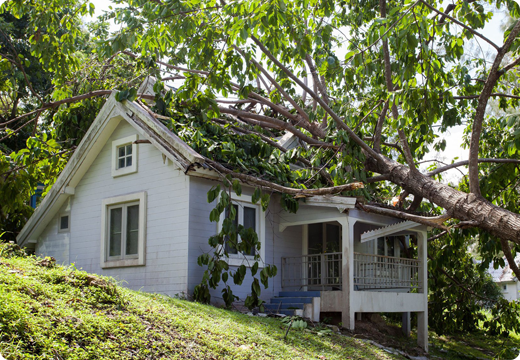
[[66, 230], [123, 261], [115, 155], [241, 259]]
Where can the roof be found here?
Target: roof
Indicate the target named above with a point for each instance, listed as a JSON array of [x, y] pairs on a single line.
[[503, 274], [112, 113], [151, 129]]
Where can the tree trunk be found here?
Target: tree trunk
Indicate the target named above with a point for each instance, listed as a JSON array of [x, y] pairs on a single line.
[[460, 205]]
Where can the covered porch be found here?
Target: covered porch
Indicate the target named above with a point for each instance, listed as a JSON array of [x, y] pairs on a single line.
[[358, 262]]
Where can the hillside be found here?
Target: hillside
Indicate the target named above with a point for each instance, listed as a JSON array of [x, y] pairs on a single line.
[[53, 312]]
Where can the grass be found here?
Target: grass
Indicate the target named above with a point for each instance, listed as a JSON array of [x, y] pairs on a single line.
[[477, 345], [54, 312]]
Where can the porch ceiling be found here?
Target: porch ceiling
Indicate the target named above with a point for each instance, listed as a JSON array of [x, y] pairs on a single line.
[[388, 230]]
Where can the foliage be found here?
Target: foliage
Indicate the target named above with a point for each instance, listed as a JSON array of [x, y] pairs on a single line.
[[40, 162], [50, 312], [460, 289]]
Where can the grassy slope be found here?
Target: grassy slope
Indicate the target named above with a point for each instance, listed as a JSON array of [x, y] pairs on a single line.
[[54, 312]]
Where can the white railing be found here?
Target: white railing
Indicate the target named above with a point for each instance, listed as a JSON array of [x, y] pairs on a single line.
[[312, 272], [385, 272], [371, 272]]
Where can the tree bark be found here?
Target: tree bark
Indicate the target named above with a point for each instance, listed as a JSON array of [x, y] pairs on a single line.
[[460, 205]]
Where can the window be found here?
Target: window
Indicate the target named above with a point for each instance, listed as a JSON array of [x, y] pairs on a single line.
[[64, 223], [124, 156], [250, 216], [505, 287], [123, 230], [386, 246]]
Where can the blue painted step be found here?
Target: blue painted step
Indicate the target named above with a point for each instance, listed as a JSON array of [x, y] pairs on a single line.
[[284, 306], [299, 294], [294, 300]]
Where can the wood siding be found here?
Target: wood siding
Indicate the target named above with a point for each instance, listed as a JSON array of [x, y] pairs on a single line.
[[277, 245], [167, 219]]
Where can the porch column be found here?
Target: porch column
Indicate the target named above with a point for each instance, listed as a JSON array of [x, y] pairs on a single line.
[[422, 317], [347, 275]]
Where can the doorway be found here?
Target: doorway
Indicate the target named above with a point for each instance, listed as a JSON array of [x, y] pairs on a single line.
[[324, 248]]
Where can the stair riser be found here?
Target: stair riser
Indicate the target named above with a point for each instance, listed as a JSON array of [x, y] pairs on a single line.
[[283, 306], [299, 294], [291, 300]]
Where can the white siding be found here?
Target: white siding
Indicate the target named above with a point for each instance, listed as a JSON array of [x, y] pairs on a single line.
[[511, 291], [51, 242], [167, 218], [277, 245]]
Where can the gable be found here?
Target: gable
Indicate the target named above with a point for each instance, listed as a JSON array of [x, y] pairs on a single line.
[[109, 117]]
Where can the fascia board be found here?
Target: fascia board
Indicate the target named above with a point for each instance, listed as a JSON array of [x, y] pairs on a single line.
[[164, 133]]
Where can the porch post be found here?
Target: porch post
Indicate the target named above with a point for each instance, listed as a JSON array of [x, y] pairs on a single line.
[[422, 317], [347, 275]]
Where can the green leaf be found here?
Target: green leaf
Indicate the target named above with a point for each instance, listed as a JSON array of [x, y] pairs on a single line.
[[256, 195]]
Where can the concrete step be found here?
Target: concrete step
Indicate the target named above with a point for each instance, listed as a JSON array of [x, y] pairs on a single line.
[[293, 300]]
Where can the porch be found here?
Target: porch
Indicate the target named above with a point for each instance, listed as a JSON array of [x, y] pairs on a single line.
[[371, 273], [358, 262]]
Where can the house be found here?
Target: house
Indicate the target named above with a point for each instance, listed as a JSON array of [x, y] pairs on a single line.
[[132, 204], [506, 280]]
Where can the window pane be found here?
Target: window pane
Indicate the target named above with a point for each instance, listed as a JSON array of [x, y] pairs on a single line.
[[129, 149], [315, 242], [333, 238], [380, 246], [115, 232], [250, 222], [121, 163], [129, 161], [249, 218], [227, 247], [390, 246], [64, 222], [121, 151], [132, 229]]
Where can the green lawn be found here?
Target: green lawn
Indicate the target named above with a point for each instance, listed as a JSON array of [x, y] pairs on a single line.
[[54, 312]]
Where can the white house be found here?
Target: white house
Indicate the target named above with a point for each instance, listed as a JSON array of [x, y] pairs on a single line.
[[132, 204], [506, 280]]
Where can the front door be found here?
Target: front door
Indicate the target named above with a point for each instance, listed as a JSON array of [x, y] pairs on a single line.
[[324, 256]]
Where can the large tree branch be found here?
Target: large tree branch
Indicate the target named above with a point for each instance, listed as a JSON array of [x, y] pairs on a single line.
[[465, 207], [510, 259], [483, 99], [390, 87], [334, 116], [304, 120], [60, 102], [283, 189], [466, 162], [468, 97], [435, 222], [379, 127], [276, 122], [314, 73], [474, 32]]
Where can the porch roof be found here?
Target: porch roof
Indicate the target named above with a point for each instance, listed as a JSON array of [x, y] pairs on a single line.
[[388, 230]]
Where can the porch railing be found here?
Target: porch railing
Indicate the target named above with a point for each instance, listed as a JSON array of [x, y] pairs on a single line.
[[371, 272], [385, 272], [313, 272]]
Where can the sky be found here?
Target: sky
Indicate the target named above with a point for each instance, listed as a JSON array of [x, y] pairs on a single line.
[[454, 135]]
